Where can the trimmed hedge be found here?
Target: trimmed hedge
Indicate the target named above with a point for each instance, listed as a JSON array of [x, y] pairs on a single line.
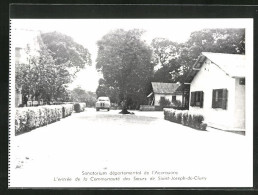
[[147, 108], [28, 118], [67, 110], [185, 117], [79, 107]]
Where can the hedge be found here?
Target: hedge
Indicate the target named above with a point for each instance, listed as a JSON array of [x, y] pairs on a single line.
[[67, 110], [28, 118], [147, 108], [185, 117], [79, 107]]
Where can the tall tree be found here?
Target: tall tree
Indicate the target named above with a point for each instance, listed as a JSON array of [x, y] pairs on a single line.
[[47, 74], [207, 40], [166, 54], [104, 89], [66, 52], [126, 63]]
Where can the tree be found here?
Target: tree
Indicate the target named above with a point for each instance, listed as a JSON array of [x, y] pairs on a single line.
[[66, 51], [126, 63], [80, 95], [185, 55], [37, 77], [104, 89], [166, 54], [47, 74]]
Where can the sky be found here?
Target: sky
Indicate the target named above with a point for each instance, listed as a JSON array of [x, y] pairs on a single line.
[[88, 31]]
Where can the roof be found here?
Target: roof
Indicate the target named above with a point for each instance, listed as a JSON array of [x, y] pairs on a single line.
[[232, 64], [164, 88]]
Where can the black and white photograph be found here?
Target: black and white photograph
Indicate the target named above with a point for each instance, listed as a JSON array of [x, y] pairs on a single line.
[[122, 103]]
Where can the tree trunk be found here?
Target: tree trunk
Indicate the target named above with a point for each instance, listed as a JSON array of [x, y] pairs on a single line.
[[124, 106]]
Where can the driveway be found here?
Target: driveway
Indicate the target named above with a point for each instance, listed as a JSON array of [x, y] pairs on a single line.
[[102, 142]]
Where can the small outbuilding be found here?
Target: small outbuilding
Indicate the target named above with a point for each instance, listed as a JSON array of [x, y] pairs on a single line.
[[164, 91]]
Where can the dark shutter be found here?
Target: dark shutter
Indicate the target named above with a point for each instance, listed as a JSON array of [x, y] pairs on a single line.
[[224, 99], [213, 98], [192, 98], [201, 99]]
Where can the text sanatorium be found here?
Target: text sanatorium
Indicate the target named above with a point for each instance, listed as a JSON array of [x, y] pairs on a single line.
[[129, 173]]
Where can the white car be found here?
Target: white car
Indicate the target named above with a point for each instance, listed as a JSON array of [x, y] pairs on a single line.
[[103, 103]]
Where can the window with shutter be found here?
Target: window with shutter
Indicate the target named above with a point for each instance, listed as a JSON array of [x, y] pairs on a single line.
[[201, 99], [192, 98], [219, 98], [224, 99], [197, 99], [173, 98]]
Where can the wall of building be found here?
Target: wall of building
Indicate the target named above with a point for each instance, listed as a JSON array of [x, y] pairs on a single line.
[[158, 96], [21, 40], [167, 96], [239, 105], [212, 77]]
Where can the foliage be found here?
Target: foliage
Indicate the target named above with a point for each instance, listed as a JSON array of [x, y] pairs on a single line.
[[175, 60], [39, 78], [79, 107], [164, 102], [47, 73], [29, 118], [184, 117], [126, 63], [176, 103], [80, 95], [165, 56], [104, 89], [64, 50], [67, 110]]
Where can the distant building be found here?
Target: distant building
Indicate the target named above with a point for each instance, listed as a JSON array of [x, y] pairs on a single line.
[[23, 42], [217, 89], [166, 91]]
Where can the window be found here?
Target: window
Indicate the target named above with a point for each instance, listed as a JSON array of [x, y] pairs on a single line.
[[242, 81], [197, 98], [219, 98], [173, 98]]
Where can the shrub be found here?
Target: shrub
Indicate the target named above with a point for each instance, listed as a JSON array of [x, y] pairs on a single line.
[[176, 103], [20, 121], [203, 126], [79, 107], [178, 116], [147, 108], [185, 117], [163, 102], [198, 121], [28, 118], [190, 120], [67, 110]]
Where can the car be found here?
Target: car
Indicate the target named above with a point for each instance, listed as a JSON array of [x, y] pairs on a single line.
[[103, 103]]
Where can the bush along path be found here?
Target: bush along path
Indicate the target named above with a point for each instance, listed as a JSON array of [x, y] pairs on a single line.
[[79, 107], [185, 117], [29, 118]]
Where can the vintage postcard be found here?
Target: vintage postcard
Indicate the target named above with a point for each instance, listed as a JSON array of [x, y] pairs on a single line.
[[130, 103]]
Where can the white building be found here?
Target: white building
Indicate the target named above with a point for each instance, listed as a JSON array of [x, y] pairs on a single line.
[[23, 42], [217, 90], [166, 91]]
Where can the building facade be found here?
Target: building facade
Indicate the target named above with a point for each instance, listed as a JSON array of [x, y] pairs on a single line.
[[165, 91], [217, 90]]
